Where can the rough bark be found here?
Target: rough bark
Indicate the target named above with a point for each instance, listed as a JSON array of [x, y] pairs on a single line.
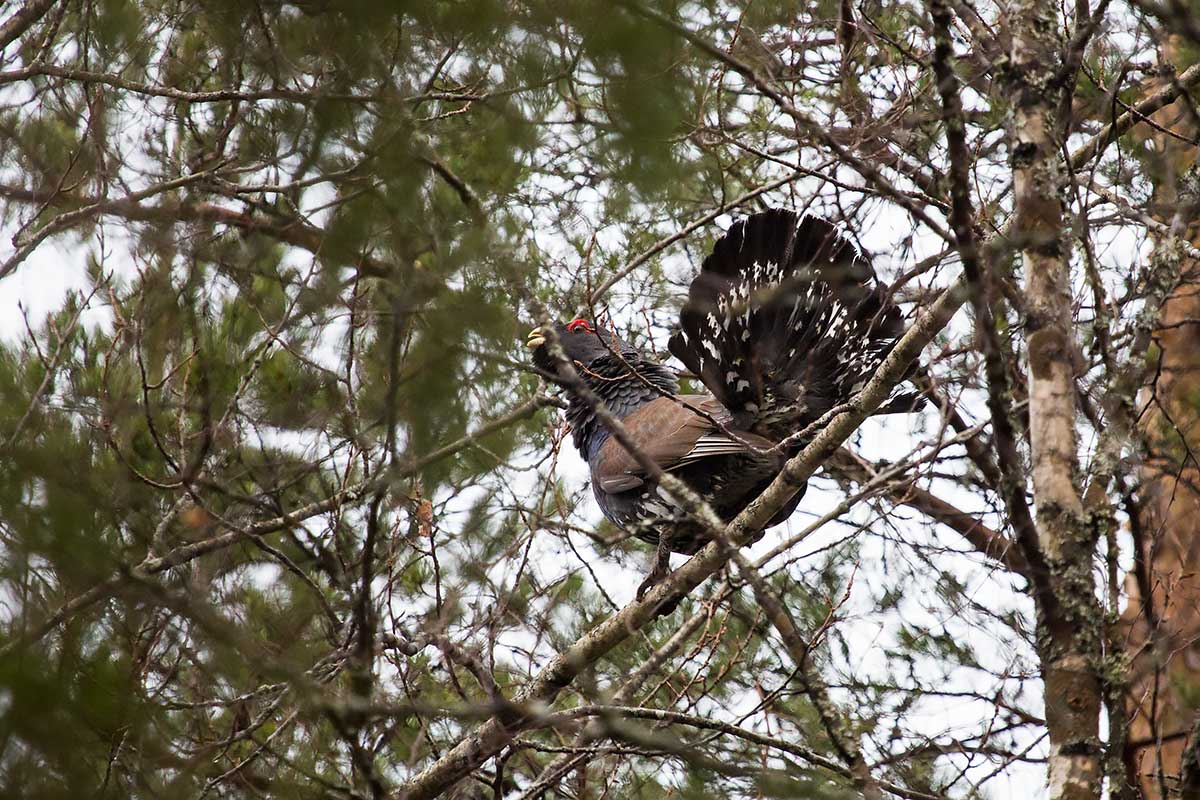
[[1163, 614], [1068, 622]]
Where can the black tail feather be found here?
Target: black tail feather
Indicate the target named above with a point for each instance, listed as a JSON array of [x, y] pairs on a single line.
[[786, 320]]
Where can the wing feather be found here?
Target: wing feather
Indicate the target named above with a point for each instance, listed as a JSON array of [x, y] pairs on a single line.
[[675, 432]]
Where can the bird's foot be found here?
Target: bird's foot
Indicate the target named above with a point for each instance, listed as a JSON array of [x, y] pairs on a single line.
[[652, 580], [661, 569]]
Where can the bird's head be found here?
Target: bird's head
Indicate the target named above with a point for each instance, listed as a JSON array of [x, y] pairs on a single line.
[[582, 343]]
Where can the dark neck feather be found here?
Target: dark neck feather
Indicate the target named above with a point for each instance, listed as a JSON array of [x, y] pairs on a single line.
[[621, 389]]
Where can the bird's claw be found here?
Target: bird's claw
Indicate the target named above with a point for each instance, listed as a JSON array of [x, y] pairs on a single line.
[[661, 569], [656, 575]]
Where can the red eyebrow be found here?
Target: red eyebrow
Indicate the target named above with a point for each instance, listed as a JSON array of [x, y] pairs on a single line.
[[576, 324]]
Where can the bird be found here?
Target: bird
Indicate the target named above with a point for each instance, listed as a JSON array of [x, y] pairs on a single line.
[[784, 322]]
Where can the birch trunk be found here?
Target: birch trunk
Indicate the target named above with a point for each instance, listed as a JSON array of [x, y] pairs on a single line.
[[1069, 615]]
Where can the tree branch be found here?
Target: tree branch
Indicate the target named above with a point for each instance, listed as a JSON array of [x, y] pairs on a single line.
[[491, 736], [21, 21]]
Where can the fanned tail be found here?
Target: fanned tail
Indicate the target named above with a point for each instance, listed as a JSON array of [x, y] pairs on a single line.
[[786, 320]]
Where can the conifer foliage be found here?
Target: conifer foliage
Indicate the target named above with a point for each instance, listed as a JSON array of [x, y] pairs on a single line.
[[286, 509]]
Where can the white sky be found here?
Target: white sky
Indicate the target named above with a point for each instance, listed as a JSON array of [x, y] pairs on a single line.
[[57, 267]]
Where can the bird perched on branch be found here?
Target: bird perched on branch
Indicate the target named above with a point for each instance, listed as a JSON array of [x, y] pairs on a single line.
[[784, 322]]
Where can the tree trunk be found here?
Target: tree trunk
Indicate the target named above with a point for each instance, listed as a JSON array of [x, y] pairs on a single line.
[[1163, 614], [1068, 613]]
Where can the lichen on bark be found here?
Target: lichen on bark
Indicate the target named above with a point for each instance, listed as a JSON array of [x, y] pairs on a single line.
[[1069, 634]]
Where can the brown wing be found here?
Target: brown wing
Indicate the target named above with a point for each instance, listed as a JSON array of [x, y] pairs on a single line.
[[671, 434]]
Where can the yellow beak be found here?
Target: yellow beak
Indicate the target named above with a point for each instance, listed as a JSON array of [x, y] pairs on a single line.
[[535, 339]]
